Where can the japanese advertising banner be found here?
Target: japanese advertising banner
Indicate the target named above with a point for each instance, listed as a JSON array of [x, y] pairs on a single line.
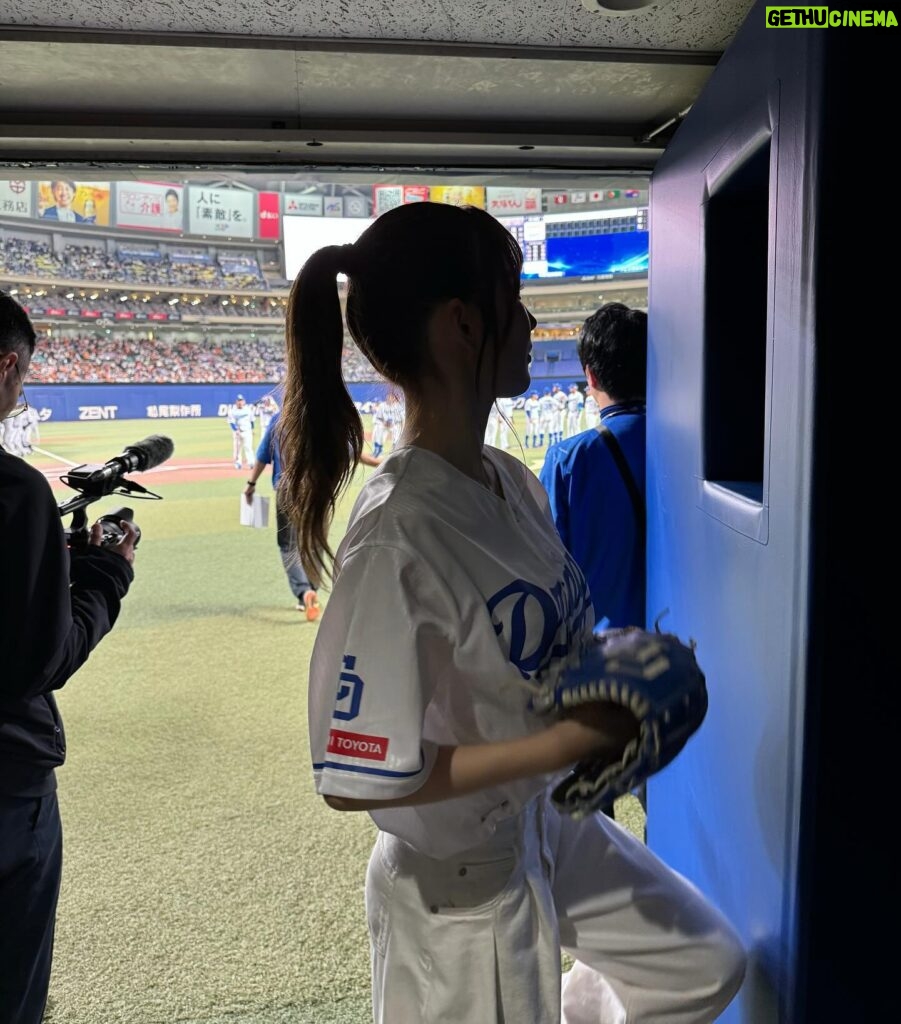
[[220, 211], [74, 202], [506, 202], [303, 206], [150, 206], [459, 195], [386, 197], [16, 199], [267, 215]]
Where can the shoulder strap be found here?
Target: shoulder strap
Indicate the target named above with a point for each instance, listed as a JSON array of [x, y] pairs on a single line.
[[628, 479]]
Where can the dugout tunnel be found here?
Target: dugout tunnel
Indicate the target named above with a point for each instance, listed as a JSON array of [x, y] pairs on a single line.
[[760, 509]]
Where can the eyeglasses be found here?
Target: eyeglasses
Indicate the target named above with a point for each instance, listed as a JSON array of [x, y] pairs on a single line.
[[22, 404]]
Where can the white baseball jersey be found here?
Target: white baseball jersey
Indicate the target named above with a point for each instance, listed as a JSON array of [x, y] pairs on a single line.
[[242, 418], [507, 406], [266, 410], [446, 598], [547, 406]]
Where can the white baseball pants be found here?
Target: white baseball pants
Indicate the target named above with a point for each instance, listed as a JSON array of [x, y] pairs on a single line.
[[476, 939]]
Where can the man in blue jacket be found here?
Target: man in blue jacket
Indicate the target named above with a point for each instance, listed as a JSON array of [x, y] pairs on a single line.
[[596, 480], [55, 607]]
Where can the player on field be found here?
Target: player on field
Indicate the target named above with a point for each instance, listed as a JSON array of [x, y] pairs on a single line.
[[492, 425], [266, 408], [532, 409], [505, 407], [395, 420], [240, 419], [559, 414], [451, 592], [547, 416], [574, 405]]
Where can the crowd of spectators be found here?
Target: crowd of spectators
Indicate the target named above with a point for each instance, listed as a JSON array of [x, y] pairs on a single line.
[[123, 358], [106, 304], [127, 359], [126, 266], [133, 358]]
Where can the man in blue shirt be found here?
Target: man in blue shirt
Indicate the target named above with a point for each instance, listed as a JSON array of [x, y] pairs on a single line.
[[595, 481], [286, 536]]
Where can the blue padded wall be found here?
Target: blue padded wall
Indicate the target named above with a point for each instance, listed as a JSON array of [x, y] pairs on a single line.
[[771, 437], [729, 489]]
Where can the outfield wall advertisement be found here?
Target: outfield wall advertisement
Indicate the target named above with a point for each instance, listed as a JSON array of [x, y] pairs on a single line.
[[154, 402]]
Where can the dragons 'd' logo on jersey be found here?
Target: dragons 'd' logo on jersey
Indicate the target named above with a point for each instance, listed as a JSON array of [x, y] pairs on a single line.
[[535, 625]]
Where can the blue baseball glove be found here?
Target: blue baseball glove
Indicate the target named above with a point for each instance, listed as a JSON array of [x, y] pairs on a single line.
[[652, 674]]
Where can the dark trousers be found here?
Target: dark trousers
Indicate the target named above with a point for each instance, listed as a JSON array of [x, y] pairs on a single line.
[[286, 537], [31, 859]]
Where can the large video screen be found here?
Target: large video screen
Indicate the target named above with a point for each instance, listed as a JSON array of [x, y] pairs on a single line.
[[304, 235], [600, 244]]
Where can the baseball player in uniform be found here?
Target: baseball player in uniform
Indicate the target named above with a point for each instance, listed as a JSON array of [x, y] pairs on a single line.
[[547, 416], [574, 405], [475, 879], [266, 408], [492, 425], [506, 408], [379, 428], [532, 409], [559, 414], [240, 419], [396, 413]]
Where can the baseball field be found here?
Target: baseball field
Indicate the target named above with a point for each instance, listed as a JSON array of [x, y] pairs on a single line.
[[203, 880]]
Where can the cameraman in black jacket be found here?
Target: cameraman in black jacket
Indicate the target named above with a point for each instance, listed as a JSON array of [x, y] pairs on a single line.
[[55, 607]]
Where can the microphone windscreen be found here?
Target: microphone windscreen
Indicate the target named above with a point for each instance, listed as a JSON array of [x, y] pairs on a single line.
[[152, 451]]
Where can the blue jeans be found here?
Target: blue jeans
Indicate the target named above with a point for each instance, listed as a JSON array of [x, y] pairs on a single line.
[[31, 860], [286, 536]]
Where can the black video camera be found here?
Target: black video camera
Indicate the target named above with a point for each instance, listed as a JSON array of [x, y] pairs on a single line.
[[94, 482], [111, 531]]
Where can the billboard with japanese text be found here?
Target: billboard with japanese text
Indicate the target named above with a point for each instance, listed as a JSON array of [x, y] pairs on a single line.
[[220, 211], [150, 206]]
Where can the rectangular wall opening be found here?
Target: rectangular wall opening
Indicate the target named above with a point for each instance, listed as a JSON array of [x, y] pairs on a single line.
[[735, 319]]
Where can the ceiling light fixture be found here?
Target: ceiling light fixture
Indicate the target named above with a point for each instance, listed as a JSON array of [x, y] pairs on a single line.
[[621, 6]]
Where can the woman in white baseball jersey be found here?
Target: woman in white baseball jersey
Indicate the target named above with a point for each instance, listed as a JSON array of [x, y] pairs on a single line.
[[451, 591]]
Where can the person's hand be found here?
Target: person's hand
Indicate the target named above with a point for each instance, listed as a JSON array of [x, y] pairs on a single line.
[[124, 546], [249, 493], [597, 730]]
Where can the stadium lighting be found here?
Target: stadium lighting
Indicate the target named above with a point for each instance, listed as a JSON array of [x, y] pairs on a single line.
[[173, 302]]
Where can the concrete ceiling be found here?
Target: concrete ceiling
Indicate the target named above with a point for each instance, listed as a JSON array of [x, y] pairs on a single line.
[[489, 84]]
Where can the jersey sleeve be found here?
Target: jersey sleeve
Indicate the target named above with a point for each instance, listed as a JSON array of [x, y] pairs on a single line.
[[380, 650], [557, 490]]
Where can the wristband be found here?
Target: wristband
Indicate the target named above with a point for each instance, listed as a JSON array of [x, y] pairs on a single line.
[[251, 483]]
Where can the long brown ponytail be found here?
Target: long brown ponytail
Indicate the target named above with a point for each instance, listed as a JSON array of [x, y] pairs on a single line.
[[320, 435]]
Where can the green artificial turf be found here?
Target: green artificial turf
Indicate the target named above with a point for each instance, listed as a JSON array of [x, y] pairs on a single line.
[[203, 879]]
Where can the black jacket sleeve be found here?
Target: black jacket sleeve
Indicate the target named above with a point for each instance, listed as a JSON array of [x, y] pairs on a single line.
[[54, 607]]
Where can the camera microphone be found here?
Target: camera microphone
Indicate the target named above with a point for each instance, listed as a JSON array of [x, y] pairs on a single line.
[[146, 454], [100, 480]]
